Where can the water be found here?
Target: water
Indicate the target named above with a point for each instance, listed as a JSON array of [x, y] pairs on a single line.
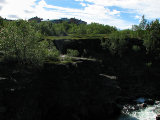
[[140, 100], [149, 113]]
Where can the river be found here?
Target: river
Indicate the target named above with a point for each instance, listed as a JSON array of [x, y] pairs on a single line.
[[149, 113]]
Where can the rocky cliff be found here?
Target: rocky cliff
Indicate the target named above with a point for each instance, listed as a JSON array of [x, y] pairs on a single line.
[[75, 91]]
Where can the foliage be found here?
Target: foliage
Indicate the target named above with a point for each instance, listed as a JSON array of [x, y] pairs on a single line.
[[32, 41], [20, 40], [143, 23], [117, 42], [60, 29], [152, 38], [93, 28], [136, 48], [72, 53], [64, 28], [46, 28], [142, 37]]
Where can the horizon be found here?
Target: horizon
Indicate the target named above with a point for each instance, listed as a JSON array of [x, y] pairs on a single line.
[[119, 13]]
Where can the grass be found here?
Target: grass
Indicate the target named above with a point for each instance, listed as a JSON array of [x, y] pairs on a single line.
[[77, 37]]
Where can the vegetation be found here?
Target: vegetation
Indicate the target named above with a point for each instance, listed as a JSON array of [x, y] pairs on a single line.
[[32, 41], [65, 28], [72, 53], [22, 42]]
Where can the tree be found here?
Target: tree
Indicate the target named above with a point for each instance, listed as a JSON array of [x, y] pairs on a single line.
[[21, 41], [47, 28], [152, 38], [143, 23]]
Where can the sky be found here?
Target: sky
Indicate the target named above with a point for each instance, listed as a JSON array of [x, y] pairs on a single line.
[[120, 13]]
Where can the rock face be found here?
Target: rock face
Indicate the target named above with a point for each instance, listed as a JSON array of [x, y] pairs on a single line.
[[74, 91], [82, 95], [89, 45]]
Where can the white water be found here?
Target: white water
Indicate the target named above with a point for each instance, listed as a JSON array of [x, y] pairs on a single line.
[[148, 113]]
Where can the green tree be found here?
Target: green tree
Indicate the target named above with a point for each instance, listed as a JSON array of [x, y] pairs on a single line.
[[47, 28], [143, 23], [117, 43], [72, 53], [152, 38], [20, 40]]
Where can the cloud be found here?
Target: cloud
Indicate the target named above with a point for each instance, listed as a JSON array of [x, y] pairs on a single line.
[[83, 4], [25, 9], [149, 8], [137, 17], [0, 7], [2, 1], [13, 16]]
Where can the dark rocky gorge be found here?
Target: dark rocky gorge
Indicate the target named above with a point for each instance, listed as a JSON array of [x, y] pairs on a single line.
[[75, 91], [83, 89]]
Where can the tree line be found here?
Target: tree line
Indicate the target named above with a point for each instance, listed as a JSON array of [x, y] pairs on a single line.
[[22, 40]]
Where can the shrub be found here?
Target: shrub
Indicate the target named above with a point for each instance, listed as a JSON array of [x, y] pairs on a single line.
[[20, 40], [72, 53]]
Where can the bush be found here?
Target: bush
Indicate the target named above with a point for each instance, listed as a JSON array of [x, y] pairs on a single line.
[[20, 40], [72, 53], [136, 48]]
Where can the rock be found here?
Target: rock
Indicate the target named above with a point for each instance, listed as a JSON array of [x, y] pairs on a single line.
[[3, 109], [158, 117], [144, 105], [149, 102], [62, 91], [83, 94], [92, 44], [157, 102], [141, 106], [1, 78]]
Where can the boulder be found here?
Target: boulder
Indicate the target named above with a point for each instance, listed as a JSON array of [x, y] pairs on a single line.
[[158, 117], [144, 105], [149, 102]]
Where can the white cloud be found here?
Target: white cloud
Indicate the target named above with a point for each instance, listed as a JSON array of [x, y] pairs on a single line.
[[83, 4], [16, 8], [137, 17], [114, 12], [25, 9], [149, 8]]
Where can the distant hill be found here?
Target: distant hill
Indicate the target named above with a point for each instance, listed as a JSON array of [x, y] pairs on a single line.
[[71, 20], [37, 19]]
